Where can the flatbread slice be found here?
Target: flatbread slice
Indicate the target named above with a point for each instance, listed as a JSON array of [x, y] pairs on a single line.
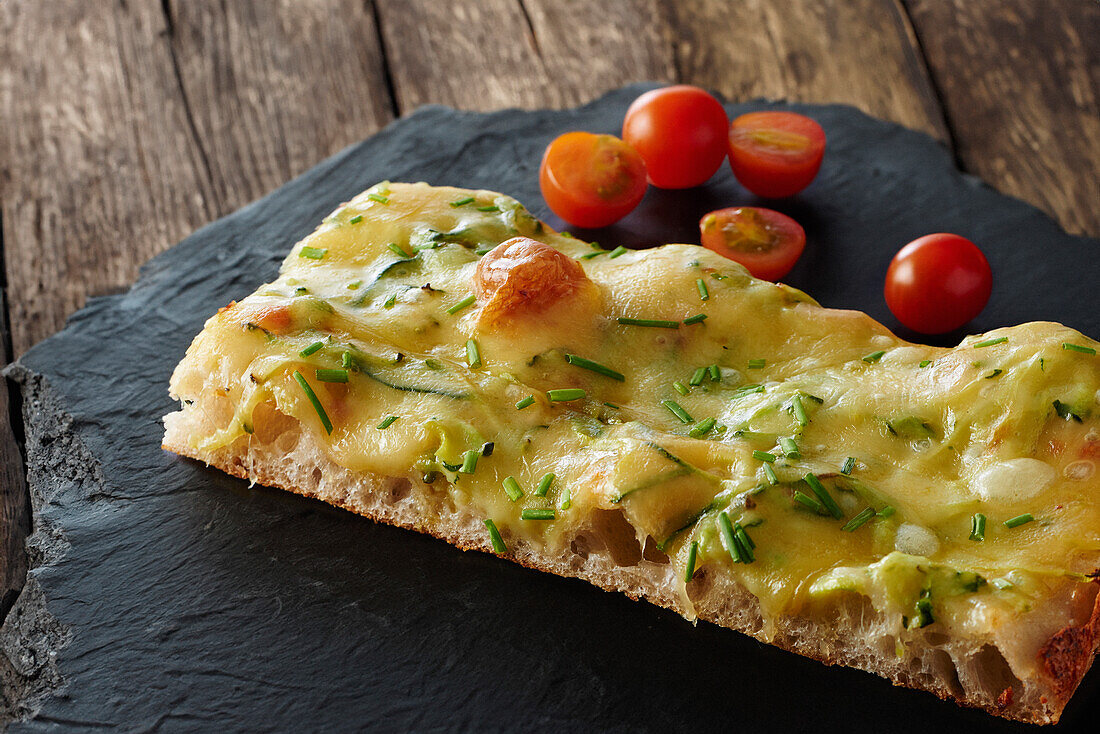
[[660, 423]]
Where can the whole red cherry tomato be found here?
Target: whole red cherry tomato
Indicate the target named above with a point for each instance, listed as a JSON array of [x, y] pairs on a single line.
[[937, 283], [680, 131], [591, 180], [764, 241], [775, 154]]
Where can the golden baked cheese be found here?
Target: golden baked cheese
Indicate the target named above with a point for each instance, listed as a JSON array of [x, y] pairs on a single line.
[[538, 382]]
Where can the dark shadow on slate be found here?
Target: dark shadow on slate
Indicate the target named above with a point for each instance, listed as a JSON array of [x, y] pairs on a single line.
[[195, 601]]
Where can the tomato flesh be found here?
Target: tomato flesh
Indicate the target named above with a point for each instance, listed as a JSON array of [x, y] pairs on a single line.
[[680, 132], [775, 154], [937, 283], [591, 180], [764, 241]]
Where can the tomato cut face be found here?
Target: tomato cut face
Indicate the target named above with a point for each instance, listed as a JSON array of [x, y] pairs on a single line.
[[937, 283], [775, 154], [764, 241], [591, 180], [680, 132]]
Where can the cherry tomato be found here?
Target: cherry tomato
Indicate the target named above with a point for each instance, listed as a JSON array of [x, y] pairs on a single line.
[[591, 180], [680, 131], [764, 241], [937, 283], [775, 154]]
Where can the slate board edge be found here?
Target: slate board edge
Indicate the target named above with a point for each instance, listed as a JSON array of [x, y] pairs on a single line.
[[30, 634]]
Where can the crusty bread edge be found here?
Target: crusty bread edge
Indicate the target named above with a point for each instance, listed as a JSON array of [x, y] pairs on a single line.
[[1065, 658]]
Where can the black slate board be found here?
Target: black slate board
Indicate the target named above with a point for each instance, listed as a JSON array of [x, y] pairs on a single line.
[[175, 597]]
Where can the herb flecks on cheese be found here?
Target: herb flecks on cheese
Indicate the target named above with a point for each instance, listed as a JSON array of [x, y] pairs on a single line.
[[732, 421]]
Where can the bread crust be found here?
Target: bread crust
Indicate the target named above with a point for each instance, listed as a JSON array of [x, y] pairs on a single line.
[[843, 637]]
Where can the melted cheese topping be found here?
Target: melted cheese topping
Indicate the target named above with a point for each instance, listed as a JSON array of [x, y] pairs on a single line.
[[936, 435]]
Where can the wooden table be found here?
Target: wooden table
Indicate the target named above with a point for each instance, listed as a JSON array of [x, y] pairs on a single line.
[[125, 125]]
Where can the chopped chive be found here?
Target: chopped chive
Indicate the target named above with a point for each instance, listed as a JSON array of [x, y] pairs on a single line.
[[356, 219], [696, 319], [565, 394], [856, 522], [537, 513], [726, 528], [618, 251], [1019, 520], [512, 488], [697, 377], [715, 373], [347, 361], [566, 500], [823, 495], [313, 253], [590, 255], [489, 208], [397, 249], [1078, 348], [656, 323], [991, 342], [544, 484], [701, 286], [770, 474], [799, 411], [977, 526], [924, 363], [464, 303], [701, 428], [747, 390], [677, 411], [588, 364], [757, 364], [808, 501], [887, 511], [693, 552], [494, 537], [469, 461], [473, 354], [746, 543], [312, 396], [849, 464], [462, 202], [612, 405], [390, 301], [789, 448], [379, 198], [526, 402], [681, 387], [873, 357], [327, 375], [993, 374], [311, 349], [354, 285], [386, 422], [763, 456]]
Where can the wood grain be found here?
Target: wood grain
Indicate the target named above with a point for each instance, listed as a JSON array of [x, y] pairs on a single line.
[[1020, 81], [275, 87], [858, 52], [14, 509], [99, 168]]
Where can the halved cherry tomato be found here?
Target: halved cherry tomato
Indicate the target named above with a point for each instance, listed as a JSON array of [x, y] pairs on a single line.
[[764, 241], [937, 283], [775, 154], [591, 180], [680, 132]]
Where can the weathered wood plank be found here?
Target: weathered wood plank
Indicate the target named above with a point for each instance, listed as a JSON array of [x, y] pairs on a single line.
[[14, 513], [273, 88], [1020, 81], [858, 52], [97, 169], [470, 54]]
